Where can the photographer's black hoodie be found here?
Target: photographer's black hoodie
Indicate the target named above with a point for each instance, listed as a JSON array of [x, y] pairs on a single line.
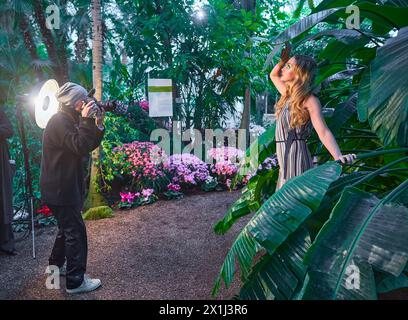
[[67, 139]]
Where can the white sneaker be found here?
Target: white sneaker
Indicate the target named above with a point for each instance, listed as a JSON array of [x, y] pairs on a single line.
[[87, 285]]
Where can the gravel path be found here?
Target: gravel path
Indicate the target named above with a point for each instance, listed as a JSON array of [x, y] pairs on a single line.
[[166, 250]]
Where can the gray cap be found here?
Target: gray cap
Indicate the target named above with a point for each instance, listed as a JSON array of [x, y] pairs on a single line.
[[70, 93]]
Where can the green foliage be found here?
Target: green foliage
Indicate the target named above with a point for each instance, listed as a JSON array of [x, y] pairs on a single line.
[[210, 185], [355, 237], [390, 283], [206, 59], [383, 94], [97, 213], [139, 199], [279, 217], [172, 194], [351, 223]]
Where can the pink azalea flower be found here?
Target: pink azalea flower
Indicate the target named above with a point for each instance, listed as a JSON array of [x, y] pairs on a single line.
[[144, 105]]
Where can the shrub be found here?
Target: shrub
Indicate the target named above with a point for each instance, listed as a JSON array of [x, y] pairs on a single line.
[[173, 191], [187, 170], [226, 154], [135, 199], [45, 216], [98, 213], [226, 165], [141, 166]]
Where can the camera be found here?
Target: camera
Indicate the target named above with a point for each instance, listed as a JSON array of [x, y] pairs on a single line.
[[112, 106]]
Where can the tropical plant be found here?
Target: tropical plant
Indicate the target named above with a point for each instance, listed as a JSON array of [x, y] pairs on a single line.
[[303, 240]]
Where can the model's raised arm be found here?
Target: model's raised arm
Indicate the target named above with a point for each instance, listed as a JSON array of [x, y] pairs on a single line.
[[275, 73]]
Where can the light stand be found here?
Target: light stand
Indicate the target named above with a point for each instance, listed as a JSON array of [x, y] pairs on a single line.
[[29, 195]]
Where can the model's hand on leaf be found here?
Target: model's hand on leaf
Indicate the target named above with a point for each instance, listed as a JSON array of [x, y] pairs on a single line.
[[286, 52], [348, 158]]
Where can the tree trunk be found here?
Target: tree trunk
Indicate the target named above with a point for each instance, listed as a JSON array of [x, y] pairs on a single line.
[[94, 198], [248, 5], [246, 114]]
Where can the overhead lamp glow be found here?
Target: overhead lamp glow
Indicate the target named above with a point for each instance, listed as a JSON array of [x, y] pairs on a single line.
[[200, 14]]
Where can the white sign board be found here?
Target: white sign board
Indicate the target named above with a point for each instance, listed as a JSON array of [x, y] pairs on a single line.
[[160, 97]]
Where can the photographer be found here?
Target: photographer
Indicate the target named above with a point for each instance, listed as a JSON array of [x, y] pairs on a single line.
[[70, 135]]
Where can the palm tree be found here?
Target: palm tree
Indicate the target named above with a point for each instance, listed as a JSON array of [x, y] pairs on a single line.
[[94, 198]]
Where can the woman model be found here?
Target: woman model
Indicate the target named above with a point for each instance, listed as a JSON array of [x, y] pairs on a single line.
[[297, 112]]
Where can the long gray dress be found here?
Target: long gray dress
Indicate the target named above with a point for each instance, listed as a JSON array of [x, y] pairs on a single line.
[[293, 155]]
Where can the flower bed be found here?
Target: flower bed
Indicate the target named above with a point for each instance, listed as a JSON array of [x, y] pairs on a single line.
[[187, 170], [142, 163], [146, 173]]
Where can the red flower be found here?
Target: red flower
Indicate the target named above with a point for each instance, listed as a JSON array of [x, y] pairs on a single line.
[[45, 211]]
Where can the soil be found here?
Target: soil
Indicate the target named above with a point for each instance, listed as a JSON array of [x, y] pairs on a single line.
[[167, 250]]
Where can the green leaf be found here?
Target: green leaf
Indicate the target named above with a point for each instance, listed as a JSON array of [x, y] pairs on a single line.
[[341, 75], [387, 107], [297, 29], [279, 217], [387, 15], [346, 36], [391, 283], [258, 151], [342, 113], [363, 95], [362, 233], [248, 202], [291, 205], [280, 275]]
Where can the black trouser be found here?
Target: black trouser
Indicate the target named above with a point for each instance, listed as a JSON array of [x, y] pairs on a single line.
[[71, 242], [6, 237]]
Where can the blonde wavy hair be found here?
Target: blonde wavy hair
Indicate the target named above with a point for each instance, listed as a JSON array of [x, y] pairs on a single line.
[[305, 69]]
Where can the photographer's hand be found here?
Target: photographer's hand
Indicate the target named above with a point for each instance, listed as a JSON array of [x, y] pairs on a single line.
[[88, 110]]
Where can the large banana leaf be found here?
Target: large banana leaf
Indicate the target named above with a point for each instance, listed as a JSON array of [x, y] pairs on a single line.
[[327, 4], [279, 217], [344, 35], [342, 113], [336, 51], [385, 15], [362, 233], [393, 16], [316, 221], [321, 215], [298, 28], [280, 275], [363, 95], [391, 283], [250, 200], [341, 75], [258, 151], [386, 101]]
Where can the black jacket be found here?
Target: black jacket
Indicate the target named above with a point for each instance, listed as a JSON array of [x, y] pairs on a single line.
[[67, 140], [6, 174]]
